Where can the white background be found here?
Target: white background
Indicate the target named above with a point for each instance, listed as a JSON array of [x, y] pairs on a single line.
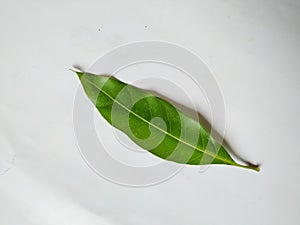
[[253, 48]]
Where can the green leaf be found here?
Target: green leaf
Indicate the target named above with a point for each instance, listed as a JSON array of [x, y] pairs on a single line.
[[153, 123]]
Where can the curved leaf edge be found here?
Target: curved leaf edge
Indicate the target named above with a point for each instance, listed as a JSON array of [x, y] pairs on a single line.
[[251, 167]]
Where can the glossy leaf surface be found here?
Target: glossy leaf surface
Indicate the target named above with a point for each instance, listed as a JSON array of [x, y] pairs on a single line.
[[153, 123]]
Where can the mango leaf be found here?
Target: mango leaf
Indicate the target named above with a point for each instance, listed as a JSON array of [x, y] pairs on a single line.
[[153, 123]]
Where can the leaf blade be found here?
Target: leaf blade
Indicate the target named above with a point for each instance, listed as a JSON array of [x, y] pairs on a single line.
[[141, 107]]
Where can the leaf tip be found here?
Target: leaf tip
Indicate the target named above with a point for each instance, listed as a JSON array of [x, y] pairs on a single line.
[[79, 73]]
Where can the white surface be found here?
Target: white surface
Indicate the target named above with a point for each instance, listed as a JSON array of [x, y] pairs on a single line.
[[253, 48]]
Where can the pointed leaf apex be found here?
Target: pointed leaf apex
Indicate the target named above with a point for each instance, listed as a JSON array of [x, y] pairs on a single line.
[[79, 74]]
